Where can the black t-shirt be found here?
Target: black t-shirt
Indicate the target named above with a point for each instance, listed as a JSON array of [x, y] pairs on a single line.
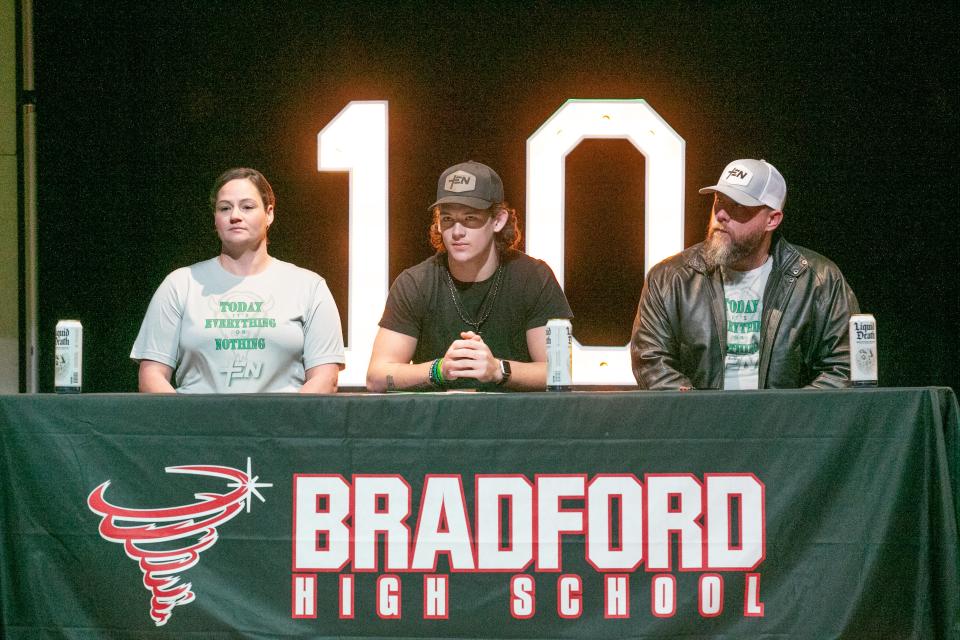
[[421, 305]]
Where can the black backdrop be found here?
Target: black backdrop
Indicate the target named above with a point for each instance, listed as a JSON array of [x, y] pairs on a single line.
[[140, 107]]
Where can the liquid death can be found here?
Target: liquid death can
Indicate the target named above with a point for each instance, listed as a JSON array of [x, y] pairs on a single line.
[[559, 355], [69, 357], [863, 350]]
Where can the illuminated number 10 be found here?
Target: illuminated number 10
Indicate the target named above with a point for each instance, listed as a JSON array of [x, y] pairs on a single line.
[[356, 141]]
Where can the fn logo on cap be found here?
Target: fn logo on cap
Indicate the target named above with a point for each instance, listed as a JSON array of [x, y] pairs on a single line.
[[738, 175], [460, 181]]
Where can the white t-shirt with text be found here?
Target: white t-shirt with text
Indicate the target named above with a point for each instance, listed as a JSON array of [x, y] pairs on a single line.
[[743, 303], [224, 333]]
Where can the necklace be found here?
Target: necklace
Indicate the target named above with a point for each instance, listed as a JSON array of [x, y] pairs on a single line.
[[485, 308]]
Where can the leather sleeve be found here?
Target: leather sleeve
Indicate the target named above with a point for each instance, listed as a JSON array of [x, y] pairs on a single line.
[[832, 361], [654, 350]]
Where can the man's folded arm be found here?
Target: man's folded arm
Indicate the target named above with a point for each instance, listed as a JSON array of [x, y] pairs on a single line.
[[653, 349], [390, 367]]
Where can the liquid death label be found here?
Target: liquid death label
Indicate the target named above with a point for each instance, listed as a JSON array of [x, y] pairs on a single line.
[[68, 377], [863, 350]]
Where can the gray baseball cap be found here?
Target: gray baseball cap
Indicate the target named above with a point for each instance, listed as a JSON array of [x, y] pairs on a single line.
[[471, 183], [752, 183]]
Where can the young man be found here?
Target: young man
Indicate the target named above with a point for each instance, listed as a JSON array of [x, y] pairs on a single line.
[[744, 309], [474, 315]]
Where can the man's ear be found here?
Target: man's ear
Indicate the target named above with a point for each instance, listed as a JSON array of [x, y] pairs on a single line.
[[774, 218], [500, 220]]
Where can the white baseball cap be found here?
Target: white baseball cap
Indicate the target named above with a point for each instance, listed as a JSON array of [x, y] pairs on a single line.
[[752, 183]]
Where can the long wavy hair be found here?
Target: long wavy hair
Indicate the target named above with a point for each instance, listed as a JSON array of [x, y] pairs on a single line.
[[506, 238]]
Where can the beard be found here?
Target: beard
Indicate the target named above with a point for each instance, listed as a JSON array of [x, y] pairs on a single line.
[[721, 250]]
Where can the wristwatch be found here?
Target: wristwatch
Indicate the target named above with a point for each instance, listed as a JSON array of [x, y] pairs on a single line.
[[505, 372]]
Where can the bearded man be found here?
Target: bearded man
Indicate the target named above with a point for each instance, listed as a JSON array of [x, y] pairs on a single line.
[[744, 309]]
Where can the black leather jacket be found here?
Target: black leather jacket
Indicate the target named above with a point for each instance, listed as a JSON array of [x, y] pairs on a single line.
[[679, 334]]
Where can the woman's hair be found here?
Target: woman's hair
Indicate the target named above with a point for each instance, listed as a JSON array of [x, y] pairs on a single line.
[[506, 238], [239, 173]]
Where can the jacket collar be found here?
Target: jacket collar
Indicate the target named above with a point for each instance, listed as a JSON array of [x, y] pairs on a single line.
[[786, 257]]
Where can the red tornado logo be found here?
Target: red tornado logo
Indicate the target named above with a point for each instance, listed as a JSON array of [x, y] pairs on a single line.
[[142, 531]]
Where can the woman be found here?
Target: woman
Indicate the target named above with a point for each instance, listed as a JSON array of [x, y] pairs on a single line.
[[242, 322]]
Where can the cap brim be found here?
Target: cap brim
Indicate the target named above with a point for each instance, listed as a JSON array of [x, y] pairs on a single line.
[[734, 194], [476, 203]]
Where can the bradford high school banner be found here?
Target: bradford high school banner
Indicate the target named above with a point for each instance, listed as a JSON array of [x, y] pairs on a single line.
[[596, 515]]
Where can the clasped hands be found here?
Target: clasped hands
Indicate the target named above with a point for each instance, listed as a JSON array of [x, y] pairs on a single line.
[[470, 357]]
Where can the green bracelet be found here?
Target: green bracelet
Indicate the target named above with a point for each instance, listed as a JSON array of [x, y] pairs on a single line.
[[436, 373], [440, 372]]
